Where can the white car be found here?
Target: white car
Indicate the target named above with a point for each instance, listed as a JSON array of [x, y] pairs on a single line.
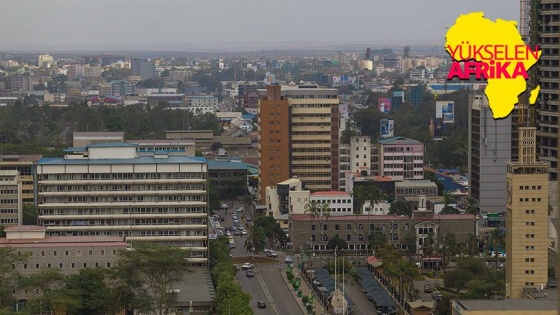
[[244, 232], [247, 266], [289, 259]]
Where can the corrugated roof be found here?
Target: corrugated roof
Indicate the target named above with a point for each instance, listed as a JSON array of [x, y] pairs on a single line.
[[399, 141]]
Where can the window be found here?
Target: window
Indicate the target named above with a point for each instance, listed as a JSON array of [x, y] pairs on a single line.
[[91, 252], [66, 253], [36, 266], [348, 237], [336, 227], [42, 253], [325, 238], [54, 253], [312, 227], [348, 227], [360, 227], [73, 265], [60, 265], [529, 259], [532, 247], [102, 252], [325, 227], [313, 237], [529, 235]]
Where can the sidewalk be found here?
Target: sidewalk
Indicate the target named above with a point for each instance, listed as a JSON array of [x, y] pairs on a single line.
[[305, 290]]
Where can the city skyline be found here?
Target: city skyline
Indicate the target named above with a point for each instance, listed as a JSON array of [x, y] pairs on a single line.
[[219, 24]]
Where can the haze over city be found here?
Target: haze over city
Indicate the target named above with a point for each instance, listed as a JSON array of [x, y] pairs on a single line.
[[62, 25]]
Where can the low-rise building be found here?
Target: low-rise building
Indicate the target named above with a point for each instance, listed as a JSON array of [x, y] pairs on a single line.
[[25, 165], [340, 202], [402, 158]]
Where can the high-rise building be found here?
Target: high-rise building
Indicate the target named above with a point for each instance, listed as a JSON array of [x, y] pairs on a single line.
[[21, 83], [548, 68], [298, 136], [25, 165], [122, 88], [401, 158], [1, 55], [144, 68], [107, 189], [526, 219], [10, 198], [489, 151], [45, 61]]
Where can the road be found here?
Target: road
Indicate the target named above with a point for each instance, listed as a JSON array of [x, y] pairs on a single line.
[[271, 287]]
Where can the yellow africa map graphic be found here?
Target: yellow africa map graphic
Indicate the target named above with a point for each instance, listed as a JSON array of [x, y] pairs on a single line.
[[493, 51]]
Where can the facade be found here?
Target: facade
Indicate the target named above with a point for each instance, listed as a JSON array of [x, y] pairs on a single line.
[[81, 139], [278, 197], [202, 138], [172, 101], [299, 136], [25, 165], [21, 83], [401, 158], [526, 219], [547, 106], [107, 190], [306, 233], [122, 88], [201, 104], [360, 155], [54, 97], [489, 151], [340, 202], [411, 189], [10, 198], [144, 68], [44, 61], [343, 165], [170, 147]]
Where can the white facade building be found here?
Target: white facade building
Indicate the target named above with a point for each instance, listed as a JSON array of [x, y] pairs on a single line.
[[340, 202], [10, 198], [108, 190]]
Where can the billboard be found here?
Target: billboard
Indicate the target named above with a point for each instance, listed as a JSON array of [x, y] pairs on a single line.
[[446, 110], [387, 127], [438, 128], [384, 104]]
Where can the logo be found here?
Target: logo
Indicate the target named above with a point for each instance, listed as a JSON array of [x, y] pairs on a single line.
[[492, 51]]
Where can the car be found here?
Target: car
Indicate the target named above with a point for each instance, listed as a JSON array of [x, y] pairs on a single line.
[[369, 297], [237, 232], [231, 245], [247, 266], [239, 210], [270, 253], [228, 233], [249, 218], [436, 295], [261, 304], [249, 274], [428, 288], [288, 259], [233, 228], [235, 221], [244, 232]]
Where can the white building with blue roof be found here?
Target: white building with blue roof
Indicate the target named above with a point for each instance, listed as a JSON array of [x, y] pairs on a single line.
[[107, 189]]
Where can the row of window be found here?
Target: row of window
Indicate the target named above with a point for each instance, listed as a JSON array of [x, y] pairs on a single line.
[[140, 187], [90, 199], [372, 227], [8, 211], [111, 211], [352, 237], [527, 199], [9, 201], [113, 176], [8, 191]]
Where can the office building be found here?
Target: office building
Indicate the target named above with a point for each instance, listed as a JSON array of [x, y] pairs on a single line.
[[401, 158], [526, 219], [144, 68], [21, 83], [25, 166], [106, 189], [548, 67], [298, 136], [201, 104], [122, 88], [489, 151], [10, 198]]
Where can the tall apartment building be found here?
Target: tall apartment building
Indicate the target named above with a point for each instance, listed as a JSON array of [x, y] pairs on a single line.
[[526, 219], [122, 87], [10, 198], [144, 68], [298, 136], [44, 61], [25, 165], [106, 189], [489, 151], [548, 68], [401, 158]]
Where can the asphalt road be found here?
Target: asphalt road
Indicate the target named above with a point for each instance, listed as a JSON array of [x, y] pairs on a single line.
[[268, 284]]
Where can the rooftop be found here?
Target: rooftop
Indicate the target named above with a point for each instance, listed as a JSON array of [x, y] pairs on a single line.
[[524, 304], [137, 160], [223, 165], [99, 134], [24, 228], [399, 141], [330, 193], [111, 145], [307, 217], [415, 183]]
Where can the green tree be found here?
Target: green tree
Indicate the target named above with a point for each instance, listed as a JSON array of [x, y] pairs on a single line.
[[43, 282], [457, 279], [9, 274], [337, 242], [91, 285], [272, 230], [256, 241], [377, 239], [496, 238], [400, 207], [29, 214], [158, 268]]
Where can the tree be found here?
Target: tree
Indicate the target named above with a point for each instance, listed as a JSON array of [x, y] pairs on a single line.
[[91, 286], [9, 276], [400, 207], [496, 238], [215, 146], [472, 207], [447, 199], [377, 239], [449, 247], [256, 241], [29, 214], [360, 195], [457, 279], [43, 282], [337, 242], [157, 268], [271, 229]]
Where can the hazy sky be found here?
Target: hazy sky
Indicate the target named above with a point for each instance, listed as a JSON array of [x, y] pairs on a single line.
[[183, 24]]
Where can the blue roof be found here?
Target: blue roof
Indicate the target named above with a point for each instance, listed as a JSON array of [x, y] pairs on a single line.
[[247, 116], [137, 160], [399, 140], [223, 165], [75, 149]]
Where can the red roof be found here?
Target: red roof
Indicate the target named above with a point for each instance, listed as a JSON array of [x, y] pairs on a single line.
[[330, 193], [364, 217]]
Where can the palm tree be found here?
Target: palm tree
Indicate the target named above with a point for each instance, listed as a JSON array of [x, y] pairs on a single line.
[[324, 210], [359, 192], [472, 244], [312, 208], [496, 238], [255, 241]]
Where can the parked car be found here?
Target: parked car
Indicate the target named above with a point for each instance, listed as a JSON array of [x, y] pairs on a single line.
[[239, 210], [247, 266], [270, 253], [244, 232], [237, 232], [436, 295], [288, 259], [249, 218], [369, 297], [261, 304], [249, 274]]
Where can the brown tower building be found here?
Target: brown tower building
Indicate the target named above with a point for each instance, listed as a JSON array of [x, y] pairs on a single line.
[[526, 219], [298, 136]]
